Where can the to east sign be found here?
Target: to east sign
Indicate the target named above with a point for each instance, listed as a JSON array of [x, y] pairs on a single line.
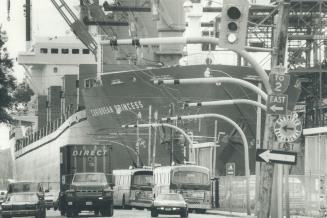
[[277, 104], [279, 82], [275, 156]]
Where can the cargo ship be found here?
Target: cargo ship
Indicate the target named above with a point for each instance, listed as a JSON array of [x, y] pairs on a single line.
[[81, 101]]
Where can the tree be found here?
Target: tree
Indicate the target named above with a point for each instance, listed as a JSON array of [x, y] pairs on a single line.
[[23, 93], [7, 81]]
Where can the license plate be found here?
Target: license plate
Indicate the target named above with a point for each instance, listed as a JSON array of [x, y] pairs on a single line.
[[168, 209], [88, 203]]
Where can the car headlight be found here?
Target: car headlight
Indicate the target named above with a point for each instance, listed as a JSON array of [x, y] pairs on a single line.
[[107, 193], [6, 207]]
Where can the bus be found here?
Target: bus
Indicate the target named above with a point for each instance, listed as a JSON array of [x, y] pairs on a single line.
[[133, 188], [192, 181]]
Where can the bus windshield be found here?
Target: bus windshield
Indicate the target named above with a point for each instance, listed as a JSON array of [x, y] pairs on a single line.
[[190, 177], [146, 180]]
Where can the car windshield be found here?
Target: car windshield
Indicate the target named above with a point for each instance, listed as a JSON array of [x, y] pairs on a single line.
[[90, 178], [22, 187], [143, 180], [175, 197], [23, 198], [191, 177]]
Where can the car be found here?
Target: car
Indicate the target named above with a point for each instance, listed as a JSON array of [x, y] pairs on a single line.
[[23, 204], [51, 199], [2, 196], [25, 186], [170, 203]]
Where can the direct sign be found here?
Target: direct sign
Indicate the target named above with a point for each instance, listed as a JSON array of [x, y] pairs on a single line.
[[275, 156], [279, 82], [230, 169], [277, 104]]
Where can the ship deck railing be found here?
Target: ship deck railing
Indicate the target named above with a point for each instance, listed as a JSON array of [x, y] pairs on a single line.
[[46, 130]]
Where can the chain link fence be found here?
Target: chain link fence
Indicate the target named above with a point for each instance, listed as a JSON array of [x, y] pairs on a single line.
[[307, 194]]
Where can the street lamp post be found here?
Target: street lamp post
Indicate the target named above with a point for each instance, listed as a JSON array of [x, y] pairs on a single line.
[[245, 144], [147, 125]]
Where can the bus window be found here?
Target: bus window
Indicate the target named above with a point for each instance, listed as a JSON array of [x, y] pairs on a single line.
[[189, 177]]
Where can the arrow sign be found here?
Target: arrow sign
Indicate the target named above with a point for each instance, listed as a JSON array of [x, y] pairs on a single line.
[[275, 108], [277, 104], [275, 156]]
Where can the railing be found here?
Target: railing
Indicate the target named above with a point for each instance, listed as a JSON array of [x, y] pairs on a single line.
[[49, 128]]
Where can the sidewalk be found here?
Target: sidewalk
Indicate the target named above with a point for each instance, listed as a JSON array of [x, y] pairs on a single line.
[[243, 214]]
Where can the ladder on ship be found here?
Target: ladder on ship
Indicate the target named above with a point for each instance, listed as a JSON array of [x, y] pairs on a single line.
[[79, 29]]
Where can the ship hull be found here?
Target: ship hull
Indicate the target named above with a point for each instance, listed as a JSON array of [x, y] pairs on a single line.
[[40, 160], [129, 97]]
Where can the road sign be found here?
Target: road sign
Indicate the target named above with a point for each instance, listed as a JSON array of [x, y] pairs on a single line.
[[277, 104], [288, 128], [275, 156], [279, 82], [230, 169]]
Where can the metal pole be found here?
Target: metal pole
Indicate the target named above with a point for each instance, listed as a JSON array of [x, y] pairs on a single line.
[[154, 139], [214, 150], [150, 134], [258, 145], [228, 102], [196, 40], [214, 80], [137, 143], [244, 140]]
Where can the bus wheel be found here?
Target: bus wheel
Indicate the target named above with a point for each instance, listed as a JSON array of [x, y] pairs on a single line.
[[184, 213], [69, 213], [123, 204], [96, 212], [201, 211], [154, 212]]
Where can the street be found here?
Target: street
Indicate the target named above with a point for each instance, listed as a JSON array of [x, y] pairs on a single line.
[[136, 214]]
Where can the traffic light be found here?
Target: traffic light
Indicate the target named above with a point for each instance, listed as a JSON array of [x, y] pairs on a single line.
[[233, 24]]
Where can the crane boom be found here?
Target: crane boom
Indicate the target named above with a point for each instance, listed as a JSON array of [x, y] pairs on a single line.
[[79, 29], [97, 13]]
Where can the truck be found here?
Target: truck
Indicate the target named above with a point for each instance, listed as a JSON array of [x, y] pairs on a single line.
[[85, 180]]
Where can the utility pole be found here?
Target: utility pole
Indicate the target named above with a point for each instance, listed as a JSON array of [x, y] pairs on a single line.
[[150, 134], [154, 139], [267, 169], [171, 113]]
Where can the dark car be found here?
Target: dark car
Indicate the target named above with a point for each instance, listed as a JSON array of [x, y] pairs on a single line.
[[2, 196], [51, 199], [23, 204], [25, 186], [171, 203]]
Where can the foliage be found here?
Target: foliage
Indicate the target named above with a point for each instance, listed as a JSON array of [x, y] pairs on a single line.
[[23, 93], [7, 83]]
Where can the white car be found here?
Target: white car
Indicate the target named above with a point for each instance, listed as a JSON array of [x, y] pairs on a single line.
[[170, 203]]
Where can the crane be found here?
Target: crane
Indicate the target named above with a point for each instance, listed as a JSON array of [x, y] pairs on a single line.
[[79, 29]]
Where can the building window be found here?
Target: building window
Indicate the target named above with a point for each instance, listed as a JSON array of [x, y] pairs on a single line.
[[55, 69], [86, 51], [54, 51], [64, 51], [44, 50], [75, 51]]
